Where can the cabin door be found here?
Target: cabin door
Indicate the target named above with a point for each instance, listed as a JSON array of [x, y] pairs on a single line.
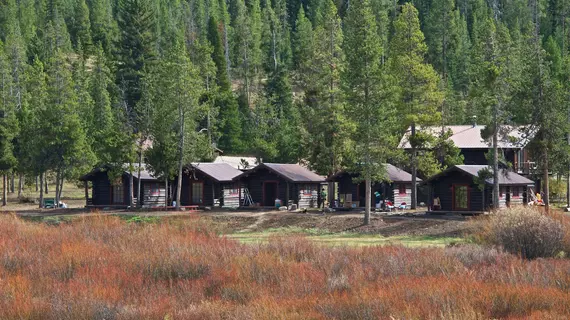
[[269, 193], [197, 193], [460, 197]]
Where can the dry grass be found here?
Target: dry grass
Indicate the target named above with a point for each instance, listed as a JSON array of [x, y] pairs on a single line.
[[102, 267], [525, 231]]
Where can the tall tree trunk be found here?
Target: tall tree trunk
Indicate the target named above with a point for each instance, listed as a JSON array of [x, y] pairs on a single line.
[[131, 186], [495, 170], [414, 169], [227, 52], [180, 159], [20, 185], [4, 190], [41, 189], [46, 186], [57, 178], [166, 192], [62, 179], [12, 183], [37, 182], [367, 199], [495, 158], [546, 183], [139, 202]]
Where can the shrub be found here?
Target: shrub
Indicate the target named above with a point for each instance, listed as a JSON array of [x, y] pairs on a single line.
[[526, 232]]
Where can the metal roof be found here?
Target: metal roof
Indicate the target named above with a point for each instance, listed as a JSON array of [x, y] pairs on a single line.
[[393, 173], [145, 173], [237, 161], [505, 177], [221, 172], [396, 174], [469, 137], [291, 172]]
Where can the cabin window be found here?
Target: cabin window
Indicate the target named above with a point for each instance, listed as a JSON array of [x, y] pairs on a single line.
[[402, 189], [118, 193], [516, 192], [154, 190], [501, 192], [234, 191], [197, 192], [307, 189]]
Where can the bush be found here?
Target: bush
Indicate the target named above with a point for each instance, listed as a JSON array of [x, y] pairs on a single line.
[[526, 232]]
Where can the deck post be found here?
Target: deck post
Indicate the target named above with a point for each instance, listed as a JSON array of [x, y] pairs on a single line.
[[239, 196], [287, 196], [214, 195], [86, 185]]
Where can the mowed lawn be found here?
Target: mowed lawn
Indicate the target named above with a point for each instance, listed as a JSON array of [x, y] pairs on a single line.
[[344, 238]]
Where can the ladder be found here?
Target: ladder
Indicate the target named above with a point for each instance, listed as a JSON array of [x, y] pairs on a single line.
[[247, 200]]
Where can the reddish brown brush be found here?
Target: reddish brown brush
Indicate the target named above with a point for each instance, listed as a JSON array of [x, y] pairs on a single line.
[[105, 268]]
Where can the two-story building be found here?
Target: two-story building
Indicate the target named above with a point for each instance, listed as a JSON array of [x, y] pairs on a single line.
[[469, 140]]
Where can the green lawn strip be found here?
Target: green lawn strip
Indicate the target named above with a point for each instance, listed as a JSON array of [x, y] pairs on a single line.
[[345, 238]]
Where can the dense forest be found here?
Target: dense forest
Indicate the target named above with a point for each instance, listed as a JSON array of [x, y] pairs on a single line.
[[332, 83]]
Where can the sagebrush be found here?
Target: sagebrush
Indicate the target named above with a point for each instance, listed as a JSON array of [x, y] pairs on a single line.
[[106, 268], [526, 231]]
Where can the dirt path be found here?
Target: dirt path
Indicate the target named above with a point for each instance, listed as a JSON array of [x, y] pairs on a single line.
[[232, 221]]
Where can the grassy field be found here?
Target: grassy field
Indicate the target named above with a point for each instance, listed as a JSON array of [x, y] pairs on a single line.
[[344, 238], [131, 267]]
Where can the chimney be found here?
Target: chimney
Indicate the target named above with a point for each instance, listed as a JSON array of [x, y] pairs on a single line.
[[474, 121]]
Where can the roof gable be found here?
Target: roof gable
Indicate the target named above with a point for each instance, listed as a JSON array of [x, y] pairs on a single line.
[[291, 172], [221, 172], [393, 173], [238, 161], [506, 177]]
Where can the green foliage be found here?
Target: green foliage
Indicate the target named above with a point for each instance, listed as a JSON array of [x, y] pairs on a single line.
[[334, 84]]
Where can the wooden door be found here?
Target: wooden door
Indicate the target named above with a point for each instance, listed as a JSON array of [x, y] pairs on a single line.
[[461, 197]]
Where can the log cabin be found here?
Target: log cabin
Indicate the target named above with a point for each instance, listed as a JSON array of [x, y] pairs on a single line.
[[458, 189], [290, 183], [210, 185], [397, 188], [113, 189]]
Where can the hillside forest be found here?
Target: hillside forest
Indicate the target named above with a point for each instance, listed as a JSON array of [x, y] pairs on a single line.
[[334, 84]]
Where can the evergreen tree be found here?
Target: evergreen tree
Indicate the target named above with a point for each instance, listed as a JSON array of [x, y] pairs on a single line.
[[325, 125], [8, 121], [218, 57], [104, 28], [136, 20], [173, 90], [68, 152], [368, 97], [80, 28], [304, 48], [108, 140], [420, 96]]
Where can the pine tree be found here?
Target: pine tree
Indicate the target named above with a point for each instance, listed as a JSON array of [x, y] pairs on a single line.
[[137, 50], [218, 56], [108, 140], [8, 121], [304, 48], [420, 96], [324, 121], [68, 153], [80, 28], [173, 90], [368, 96], [104, 28]]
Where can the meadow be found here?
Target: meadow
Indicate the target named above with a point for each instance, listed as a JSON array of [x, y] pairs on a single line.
[[105, 267]]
